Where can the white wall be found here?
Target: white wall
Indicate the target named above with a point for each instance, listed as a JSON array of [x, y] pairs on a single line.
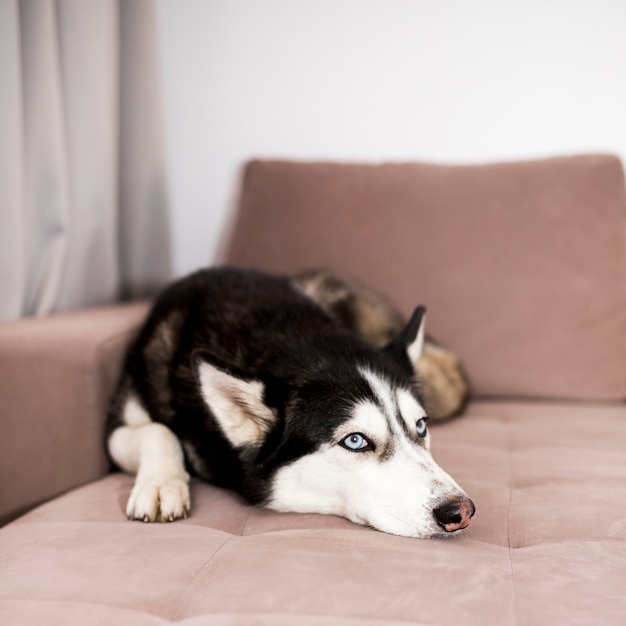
[[448, 81]]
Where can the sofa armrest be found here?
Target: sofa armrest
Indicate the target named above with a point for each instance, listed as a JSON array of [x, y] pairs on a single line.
[[56, 376]]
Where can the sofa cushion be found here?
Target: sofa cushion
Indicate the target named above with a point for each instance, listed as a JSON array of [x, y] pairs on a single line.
[[521, 265], [547, 544]]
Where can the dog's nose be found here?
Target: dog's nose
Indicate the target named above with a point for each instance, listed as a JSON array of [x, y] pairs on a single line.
[[455, 514]]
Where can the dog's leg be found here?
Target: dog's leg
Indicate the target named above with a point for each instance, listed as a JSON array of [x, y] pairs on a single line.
[[152, 452]]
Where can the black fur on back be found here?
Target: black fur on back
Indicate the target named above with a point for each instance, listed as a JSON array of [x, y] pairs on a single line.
[[259, 327]]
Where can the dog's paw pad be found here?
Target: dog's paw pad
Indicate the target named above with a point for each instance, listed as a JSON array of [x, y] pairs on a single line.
[[159, 500]]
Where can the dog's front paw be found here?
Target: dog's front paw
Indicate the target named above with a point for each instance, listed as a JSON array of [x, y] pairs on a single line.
[[159, 500]]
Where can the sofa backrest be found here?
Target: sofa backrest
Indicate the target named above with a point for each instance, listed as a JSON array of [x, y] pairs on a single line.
[[521, 265]]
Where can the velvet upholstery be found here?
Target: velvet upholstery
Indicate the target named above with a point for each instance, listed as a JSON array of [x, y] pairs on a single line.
[[521, 265], [56, 376], [547, 544], [548, 476]]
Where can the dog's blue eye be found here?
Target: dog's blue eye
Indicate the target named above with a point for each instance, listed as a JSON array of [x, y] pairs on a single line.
[[356, 442], [421, 426]]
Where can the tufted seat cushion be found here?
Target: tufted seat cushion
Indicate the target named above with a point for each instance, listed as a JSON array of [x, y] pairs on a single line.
[[547, 545]]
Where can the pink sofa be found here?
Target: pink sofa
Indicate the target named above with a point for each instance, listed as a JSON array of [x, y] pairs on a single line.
[[523, 269]]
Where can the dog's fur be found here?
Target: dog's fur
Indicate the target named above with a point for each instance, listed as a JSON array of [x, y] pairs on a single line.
[[368, 313], [275, 387]]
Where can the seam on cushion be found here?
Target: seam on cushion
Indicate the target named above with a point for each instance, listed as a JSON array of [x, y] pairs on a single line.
[[242, 532], [70, 522], [558, 542], [114, 607], [349, 620], [175, 614], [508, 518]]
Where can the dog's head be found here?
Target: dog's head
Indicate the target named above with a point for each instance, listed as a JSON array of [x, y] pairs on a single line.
[[338, 427]]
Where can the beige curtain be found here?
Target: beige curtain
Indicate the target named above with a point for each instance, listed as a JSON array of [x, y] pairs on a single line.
[[83, 204]]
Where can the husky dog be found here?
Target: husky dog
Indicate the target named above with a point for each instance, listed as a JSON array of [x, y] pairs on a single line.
[[260, 384]]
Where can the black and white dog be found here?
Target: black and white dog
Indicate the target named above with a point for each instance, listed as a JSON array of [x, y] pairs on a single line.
[[252, 382]]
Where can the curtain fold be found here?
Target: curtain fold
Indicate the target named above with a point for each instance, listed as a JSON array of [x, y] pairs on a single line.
[[143, 235], [83, 198], [12, 266]]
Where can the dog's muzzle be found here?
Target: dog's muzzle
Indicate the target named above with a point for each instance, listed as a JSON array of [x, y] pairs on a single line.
[[455, 514]]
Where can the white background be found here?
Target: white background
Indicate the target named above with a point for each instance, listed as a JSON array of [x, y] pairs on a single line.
[[371, 80]]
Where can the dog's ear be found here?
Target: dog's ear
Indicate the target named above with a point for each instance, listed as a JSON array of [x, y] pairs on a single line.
[[410, 342], [236, 401]]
